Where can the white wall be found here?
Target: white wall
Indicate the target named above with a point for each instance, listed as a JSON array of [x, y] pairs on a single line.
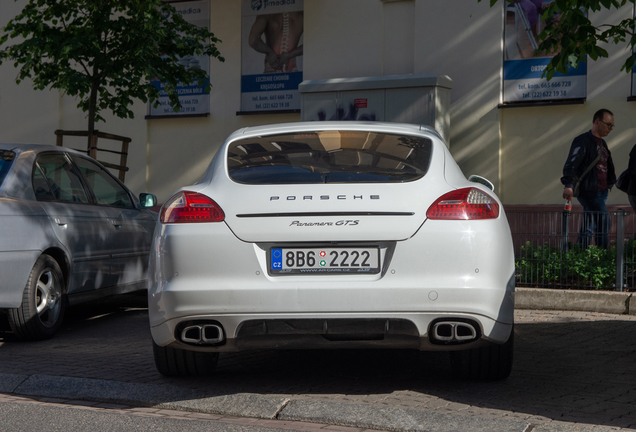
[[462, 39], [26, 115], [343, 39]]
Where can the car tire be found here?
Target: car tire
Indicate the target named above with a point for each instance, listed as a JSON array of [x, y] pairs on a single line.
[[493, 362], [42, 310], [178, 362]]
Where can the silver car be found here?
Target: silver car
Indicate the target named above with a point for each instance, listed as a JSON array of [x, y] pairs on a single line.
[[331, 235], [69, 232]]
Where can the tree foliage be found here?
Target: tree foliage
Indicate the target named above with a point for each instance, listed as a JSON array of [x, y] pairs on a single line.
[[105, 52], [570, 34]]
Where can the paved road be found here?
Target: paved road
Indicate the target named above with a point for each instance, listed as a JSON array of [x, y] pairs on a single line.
[[573, 371]]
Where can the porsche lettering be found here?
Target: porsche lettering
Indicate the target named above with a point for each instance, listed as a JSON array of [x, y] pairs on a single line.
[[323, 197]]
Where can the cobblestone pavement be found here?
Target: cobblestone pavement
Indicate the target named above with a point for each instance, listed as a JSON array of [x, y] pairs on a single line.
[[570, 367]]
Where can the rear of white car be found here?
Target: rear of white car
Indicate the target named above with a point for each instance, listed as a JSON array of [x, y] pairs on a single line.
[[333, 235]]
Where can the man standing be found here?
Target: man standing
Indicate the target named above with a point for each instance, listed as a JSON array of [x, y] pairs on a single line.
[[596, 183]]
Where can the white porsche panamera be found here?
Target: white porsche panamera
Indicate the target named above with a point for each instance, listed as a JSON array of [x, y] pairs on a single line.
[[333, 235]]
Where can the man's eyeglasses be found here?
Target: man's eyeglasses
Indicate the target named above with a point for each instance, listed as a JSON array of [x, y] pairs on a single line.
[[609, 125]]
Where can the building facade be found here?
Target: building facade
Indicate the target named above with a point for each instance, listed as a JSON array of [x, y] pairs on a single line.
[[520, 147]]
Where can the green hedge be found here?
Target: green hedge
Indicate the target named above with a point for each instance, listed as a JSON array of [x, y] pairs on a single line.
[[591, 268]]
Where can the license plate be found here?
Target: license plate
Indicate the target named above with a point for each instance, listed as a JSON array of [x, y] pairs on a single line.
[[350, 260]]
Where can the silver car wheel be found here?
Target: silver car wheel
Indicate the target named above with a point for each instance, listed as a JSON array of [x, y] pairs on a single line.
[[42, 310], [48, 294]]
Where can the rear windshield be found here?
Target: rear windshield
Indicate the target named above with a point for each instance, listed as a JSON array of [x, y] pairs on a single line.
[[6, 159], [329, 157]]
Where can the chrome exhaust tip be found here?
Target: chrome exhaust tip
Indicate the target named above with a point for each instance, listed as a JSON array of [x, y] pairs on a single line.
[[211, 334], [191, 334], [202, 334], [454, 331]]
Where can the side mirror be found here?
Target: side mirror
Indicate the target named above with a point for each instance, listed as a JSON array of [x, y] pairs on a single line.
[[147, 200], [482, 180]]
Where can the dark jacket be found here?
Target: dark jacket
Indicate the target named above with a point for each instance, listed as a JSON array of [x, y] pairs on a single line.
[[631, 171], [582, 154]]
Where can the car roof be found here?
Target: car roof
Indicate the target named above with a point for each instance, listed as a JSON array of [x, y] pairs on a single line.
[[24, 147], [335, 125]]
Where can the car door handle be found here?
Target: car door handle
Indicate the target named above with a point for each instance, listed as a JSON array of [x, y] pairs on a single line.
[[115, 223], [61, 222]]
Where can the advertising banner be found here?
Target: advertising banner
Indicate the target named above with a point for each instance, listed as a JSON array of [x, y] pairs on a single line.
[[633, 70], [524, 66], [271, 55], [633, 83], [193, 97]]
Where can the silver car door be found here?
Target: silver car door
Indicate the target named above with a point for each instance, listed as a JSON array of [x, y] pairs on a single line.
[[132, 228], [80, 225]]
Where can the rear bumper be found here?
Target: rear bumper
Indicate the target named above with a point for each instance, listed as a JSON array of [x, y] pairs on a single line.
[[344, 329], [442, 272]]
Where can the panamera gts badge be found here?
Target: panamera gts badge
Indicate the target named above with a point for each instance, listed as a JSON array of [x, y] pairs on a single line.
[[322, 224]]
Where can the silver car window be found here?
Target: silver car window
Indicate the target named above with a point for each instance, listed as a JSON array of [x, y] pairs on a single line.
[[62, 179], [106, 189], [329, 157], [41, 186], [6, 159]]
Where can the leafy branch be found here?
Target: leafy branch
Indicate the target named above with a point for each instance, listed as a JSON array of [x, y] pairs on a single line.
[[571, 36]]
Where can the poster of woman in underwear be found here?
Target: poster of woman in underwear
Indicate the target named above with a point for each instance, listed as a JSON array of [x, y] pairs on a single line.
[[272, 53]]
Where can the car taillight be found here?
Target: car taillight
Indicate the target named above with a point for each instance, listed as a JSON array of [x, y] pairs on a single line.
[[191, 207], [464, 204]]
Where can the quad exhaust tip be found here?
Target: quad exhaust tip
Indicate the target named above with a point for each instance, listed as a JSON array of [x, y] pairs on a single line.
[[202, 334], [454, 331]]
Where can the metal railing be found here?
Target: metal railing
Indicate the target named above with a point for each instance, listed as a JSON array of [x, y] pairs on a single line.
[[574, 250]]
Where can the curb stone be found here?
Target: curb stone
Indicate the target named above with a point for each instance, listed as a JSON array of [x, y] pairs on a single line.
[[614, 302], [275, 407], [10, 382], [155, 395], [394, 419], [259, 406]]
